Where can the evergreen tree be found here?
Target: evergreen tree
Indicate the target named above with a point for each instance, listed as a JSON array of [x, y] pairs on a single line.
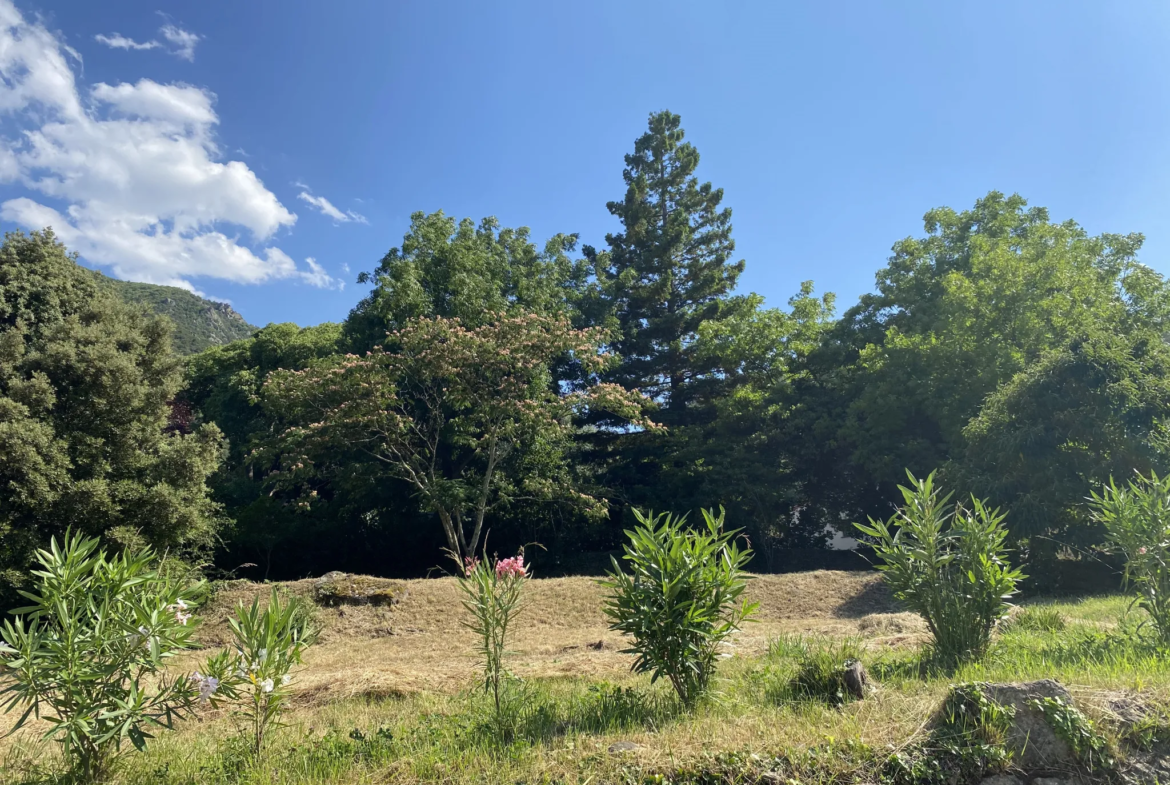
[[669, 270], [89, 436]]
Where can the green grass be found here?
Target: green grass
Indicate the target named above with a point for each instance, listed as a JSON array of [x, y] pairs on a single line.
[[763, 718]]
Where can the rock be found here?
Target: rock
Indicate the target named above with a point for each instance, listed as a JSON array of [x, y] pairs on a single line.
[[339, 588], [856, 679], [1049, 781], [1033, 743], [623, 746], [1001, 779], [1145, 768]]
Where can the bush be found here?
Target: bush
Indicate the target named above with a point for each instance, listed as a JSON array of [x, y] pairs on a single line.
[[254, 672], [493, 594], [682, 599], [89, 653], [947, 563], [1136, 518]]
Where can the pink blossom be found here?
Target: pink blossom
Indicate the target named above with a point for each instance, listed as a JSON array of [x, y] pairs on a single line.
[[511, 568], [1142, 551]]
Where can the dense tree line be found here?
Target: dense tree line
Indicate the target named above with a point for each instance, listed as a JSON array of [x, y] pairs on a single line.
[[490, 388]]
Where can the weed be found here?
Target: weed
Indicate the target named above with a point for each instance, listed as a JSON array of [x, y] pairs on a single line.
[[1070, 724]]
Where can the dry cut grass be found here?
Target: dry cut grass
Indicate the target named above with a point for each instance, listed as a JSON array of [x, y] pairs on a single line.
[[419, 643]]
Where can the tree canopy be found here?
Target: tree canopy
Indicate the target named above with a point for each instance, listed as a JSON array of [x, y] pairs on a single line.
[[89, 438], [493, 381]]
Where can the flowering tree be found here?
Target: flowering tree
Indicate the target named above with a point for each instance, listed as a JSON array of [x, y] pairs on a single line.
[[470, 418]]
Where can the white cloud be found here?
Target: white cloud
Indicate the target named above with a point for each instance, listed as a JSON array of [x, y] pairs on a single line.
[[326, 207], [119, 41], [134, 170], [319, 278], [182, 40]]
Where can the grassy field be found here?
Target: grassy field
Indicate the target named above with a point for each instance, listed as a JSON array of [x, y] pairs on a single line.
[[388, 695]]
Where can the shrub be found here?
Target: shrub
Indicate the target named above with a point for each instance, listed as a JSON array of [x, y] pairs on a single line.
[[255, 672], [88, 655], [1136, 518], [493, 592], [681, 599], [947, 563]]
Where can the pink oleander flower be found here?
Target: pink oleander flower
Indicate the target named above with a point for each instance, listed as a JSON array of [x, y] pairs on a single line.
[[469, 564], [511, 568], [1142, 551]]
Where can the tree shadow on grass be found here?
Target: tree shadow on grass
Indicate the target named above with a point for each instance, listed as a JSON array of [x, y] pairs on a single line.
[[874, 598]]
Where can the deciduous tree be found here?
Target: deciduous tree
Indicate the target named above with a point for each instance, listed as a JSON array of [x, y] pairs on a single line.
[[466, 416]]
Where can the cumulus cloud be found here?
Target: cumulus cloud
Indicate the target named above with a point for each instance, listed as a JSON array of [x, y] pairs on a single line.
[[129, 175], [181, 43], [119, 41], [326, 207]]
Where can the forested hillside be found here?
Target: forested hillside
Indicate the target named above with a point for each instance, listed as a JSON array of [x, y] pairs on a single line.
[[199, 323]]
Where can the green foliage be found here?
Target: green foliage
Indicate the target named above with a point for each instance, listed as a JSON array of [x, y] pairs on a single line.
[[967, 741], [88, 436], [669, 270], [1136, 518], [254, 673], [457, 270], [493, 593], [88, 655], [223, 384], [198, 323], [469, 419], [1070, 724], [948, 564], [1037, 618], [681, 600], [957, 314], [1043, 441]]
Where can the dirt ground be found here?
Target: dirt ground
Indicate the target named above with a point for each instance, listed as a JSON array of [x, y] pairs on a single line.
[[420, 644]]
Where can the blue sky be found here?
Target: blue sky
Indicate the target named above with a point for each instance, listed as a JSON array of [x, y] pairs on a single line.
[[832, 127]]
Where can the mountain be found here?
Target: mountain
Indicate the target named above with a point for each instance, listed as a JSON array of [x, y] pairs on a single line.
[[199, 323]]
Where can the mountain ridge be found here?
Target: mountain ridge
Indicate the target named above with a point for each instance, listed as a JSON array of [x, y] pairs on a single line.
[[199, 323]]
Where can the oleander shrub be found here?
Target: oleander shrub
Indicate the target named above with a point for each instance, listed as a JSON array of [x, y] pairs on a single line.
[[89, 653], [1136, 517], [680, 597], [948, 563]]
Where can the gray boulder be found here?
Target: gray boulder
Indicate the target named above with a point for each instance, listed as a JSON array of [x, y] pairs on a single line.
[[1033, 743]]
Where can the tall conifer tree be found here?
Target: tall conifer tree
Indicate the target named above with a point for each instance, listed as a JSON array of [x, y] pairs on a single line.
[[669, 270]]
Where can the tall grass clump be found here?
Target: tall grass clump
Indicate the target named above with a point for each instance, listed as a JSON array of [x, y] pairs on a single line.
[[89, 653], [681, 599], [1136, 518], [948, 564], [822, 667]]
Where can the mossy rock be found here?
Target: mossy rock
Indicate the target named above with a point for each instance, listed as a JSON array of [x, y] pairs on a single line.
[[339, 588]]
